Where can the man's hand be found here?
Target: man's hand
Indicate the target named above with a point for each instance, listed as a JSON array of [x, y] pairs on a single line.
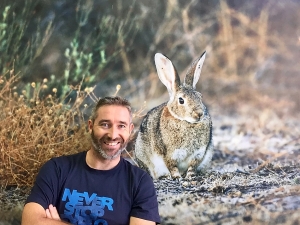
[[51, 213]]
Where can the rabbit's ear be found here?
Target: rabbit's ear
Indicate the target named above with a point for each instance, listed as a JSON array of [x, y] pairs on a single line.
[[167, 73], [194, 72]]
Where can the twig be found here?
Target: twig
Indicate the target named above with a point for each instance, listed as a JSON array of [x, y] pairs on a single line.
[[267, 162], [131, 158], [275, 157]]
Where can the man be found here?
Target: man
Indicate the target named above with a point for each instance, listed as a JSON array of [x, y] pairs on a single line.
[[96, 187]]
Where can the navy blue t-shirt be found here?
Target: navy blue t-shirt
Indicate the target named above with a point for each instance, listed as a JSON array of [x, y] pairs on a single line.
[[83, 195]]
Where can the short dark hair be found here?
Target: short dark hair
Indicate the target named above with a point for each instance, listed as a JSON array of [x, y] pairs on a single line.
[[116, 100]]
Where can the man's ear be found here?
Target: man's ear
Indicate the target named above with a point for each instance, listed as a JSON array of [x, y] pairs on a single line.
[[90, 126], [131, 128]]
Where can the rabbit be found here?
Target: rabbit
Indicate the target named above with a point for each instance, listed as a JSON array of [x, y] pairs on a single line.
[[175, 138]]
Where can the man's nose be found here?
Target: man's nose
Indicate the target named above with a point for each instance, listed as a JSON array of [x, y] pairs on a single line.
[[113, 133]]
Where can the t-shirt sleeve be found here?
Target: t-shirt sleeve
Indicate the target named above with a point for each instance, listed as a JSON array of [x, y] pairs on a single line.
[[145, 204], [45, 189]]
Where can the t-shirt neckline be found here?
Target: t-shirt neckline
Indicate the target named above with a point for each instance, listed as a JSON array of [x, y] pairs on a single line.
[[101, 171]]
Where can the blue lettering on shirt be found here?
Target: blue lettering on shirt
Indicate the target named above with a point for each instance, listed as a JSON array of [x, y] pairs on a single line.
[[82, 208]]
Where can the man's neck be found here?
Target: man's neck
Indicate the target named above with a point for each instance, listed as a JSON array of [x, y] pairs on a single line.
[[95, 161]]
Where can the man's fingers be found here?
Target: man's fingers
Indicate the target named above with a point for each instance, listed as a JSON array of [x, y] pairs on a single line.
[[52, 213], [48, 215]]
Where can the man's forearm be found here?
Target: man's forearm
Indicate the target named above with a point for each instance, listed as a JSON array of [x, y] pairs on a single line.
[[44, 221], [35, 214], [138, 221]]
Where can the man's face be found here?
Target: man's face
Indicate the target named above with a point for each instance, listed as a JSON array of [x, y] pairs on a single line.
[[111, 130]]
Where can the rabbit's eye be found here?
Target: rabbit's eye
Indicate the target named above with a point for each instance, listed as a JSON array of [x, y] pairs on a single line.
[[181, 101]]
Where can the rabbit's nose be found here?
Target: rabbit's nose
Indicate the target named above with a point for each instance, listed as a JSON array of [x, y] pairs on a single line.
[[198, 113]]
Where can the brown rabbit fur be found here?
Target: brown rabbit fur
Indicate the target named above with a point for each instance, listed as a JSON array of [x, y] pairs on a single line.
[[175, 138]]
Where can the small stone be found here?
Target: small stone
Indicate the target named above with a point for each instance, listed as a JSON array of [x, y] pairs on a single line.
[[194, 182], [185, 183]]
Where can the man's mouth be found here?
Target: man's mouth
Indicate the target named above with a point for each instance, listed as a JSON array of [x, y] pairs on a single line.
[[112, 143]]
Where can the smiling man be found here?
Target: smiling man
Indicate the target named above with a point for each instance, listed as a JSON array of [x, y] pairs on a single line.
[[95, 187]]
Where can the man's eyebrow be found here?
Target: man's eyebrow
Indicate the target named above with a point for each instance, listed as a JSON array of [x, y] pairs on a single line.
[[103, 121], [123, 122]]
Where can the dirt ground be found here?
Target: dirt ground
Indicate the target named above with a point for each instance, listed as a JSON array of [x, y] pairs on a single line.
[[254, 178]]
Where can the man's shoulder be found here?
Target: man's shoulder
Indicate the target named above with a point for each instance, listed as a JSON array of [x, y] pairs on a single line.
[[74, 156], [129, 163], [65, 160], [136, 171]]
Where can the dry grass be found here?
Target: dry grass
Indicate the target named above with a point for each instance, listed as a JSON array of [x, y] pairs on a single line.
[[244, 43], [34, 130]]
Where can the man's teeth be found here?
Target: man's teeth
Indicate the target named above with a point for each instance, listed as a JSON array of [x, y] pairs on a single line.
[[112, 144]]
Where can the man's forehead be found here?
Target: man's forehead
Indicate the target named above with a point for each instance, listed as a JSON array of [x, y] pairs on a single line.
[[113, 108], [108, 112]]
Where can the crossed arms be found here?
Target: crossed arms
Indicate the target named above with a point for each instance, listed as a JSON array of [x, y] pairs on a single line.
[[35, 214]]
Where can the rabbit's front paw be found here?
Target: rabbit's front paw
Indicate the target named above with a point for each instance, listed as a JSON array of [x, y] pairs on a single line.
[[161, 174], [190, 173], [175, 173]]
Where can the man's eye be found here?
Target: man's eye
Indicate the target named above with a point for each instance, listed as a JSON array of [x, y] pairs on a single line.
[[122, 126], [104, 125]]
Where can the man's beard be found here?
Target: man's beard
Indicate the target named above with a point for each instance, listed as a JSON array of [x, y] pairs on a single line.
[[97, 146]]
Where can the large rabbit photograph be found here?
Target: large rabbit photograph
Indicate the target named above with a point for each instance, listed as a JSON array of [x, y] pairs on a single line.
[[175, 138], [149, 112]]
